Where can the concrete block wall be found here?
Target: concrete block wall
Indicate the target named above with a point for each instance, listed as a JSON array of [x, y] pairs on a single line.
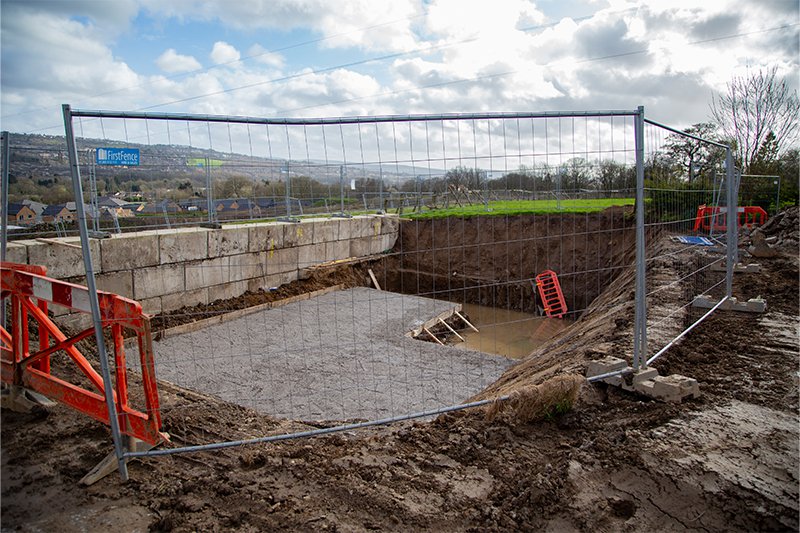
[[169, 269]]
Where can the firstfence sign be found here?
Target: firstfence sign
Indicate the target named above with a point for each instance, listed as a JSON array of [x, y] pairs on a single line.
[[118, 156]]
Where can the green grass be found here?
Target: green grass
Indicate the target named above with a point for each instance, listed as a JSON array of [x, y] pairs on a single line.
[[523, 207]]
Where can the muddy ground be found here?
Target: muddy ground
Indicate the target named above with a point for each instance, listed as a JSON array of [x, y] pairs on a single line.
[[615, 462]]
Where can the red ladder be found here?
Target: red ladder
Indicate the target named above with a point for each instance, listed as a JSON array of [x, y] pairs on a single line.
[[550, 292]]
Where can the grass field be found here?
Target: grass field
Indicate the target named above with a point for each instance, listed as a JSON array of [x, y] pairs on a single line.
[[523, 207]]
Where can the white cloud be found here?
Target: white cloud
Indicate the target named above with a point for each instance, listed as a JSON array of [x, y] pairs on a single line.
[[482, 58], [224, 53], [173, 62], [342, 22], [264, 56]]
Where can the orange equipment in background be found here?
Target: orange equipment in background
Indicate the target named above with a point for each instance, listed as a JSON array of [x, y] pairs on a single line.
[[550, 292], [716, 218]]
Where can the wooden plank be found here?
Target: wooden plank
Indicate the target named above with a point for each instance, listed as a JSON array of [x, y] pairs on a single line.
[[426, 330], [233, 315], [54, 241], [454, 332], [467, 322], [374, 280]]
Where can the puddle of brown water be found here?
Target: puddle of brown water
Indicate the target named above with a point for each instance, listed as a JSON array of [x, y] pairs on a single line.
[[505, 332]]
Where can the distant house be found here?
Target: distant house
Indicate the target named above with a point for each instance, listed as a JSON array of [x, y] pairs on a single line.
[[109, 201], [21, 214], [237, 206], [133, 207], [37, 207], [58, 213], [194, 204], [161, 206]]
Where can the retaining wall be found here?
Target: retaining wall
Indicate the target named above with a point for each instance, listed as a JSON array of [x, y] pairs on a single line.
[[168, 269]]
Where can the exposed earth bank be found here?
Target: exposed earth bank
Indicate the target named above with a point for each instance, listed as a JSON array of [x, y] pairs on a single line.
[[616, 461]]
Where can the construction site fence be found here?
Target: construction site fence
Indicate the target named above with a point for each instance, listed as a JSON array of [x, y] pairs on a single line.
[[311, 356]]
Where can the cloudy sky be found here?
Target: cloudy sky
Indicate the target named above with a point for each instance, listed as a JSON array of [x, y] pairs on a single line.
[[362, 57]]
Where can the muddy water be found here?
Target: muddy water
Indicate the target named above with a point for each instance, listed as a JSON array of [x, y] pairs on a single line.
[[505, 332]]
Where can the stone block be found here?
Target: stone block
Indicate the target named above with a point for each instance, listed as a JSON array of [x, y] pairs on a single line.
[[605, 365], [336, 250], [229, 240], [265, 237], [390, 224], [360, 247], [177, 246], [62, 261], [151, 306], [388, 241], [345, 228], [226, 291], [325, 230], [310, 255], [116, 282], [128, 251], [635, 379], [246, 266], [375, 224], [753, 305], [298, 234], [283, 260], [16, 253], [203, 274], [171, 302], [673, 388], [158, 281]]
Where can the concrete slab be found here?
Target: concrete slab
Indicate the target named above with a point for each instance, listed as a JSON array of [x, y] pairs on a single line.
[[246, 266], [229, 240], [183, 245], [310, 255], [753, 305], [342, 355], [203, 274], [607, 365], [283, 260], [117, 282], [337, 250], [738, 268], [158, 281], [128, 251], [227, 290], [325, 230], [62, 261], [265, 236], [16, 253], [171, 302], [298, 234], [673, 388]]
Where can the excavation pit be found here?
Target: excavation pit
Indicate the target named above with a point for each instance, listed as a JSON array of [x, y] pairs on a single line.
[[341, 355]]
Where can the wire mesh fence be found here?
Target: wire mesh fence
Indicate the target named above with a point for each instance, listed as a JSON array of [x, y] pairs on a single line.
[[354, 283], [690, 238]]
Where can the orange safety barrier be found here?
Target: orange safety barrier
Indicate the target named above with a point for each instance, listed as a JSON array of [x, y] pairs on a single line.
[[717, 217], [30, 292], [550, 292]]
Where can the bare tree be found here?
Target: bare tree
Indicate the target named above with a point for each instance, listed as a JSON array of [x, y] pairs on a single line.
[[751, 108]]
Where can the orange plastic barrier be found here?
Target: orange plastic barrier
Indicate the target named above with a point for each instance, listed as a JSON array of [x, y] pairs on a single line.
[[550, 292], [30, 292], [717, 217]]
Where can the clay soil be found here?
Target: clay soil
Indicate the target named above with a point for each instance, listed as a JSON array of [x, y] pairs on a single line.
[[615, 462]]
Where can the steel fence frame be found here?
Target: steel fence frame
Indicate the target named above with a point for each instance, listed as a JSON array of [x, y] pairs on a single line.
[[641, 358]]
